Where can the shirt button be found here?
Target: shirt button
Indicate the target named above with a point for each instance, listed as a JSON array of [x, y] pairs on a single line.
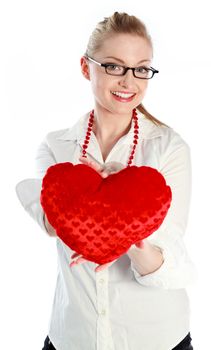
[[101, 280], [103, 312]]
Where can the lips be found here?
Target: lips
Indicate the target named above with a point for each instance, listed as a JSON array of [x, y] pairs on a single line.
[[123, 96]]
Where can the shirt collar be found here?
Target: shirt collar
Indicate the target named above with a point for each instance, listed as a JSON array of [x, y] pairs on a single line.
[[147, 130]]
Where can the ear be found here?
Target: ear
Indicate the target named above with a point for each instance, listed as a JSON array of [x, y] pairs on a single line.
[[85, 68]]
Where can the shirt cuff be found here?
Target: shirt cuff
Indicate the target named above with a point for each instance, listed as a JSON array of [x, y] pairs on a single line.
[[174, 273]]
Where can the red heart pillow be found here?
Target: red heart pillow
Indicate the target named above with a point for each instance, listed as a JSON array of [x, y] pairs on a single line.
[[101, 218]]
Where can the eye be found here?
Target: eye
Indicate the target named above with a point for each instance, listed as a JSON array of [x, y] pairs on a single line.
[[113, 67], [142, 70]]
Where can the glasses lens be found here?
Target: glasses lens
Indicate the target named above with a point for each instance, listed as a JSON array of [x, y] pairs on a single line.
[[143, 72], [114, 69]]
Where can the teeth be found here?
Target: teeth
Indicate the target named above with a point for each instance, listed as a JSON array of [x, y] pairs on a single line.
[[121, 94]]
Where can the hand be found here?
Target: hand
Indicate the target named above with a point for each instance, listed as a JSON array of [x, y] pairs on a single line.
[[146, 260], [104, 170], [144, 244], [80, 260]]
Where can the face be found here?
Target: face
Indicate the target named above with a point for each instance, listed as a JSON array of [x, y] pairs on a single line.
[[122, 49]]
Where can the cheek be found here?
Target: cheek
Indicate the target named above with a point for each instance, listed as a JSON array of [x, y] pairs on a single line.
[[144, 84], [99, 85], [143, 87]]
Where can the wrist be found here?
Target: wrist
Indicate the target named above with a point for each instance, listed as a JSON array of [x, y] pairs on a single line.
[[146, 260]]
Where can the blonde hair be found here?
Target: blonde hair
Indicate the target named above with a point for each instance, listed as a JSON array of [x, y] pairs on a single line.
[[120, 23]]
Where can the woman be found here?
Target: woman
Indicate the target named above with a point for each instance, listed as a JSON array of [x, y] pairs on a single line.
[[138, 301]]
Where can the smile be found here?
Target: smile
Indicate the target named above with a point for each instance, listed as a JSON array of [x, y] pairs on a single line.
[[123, 96]]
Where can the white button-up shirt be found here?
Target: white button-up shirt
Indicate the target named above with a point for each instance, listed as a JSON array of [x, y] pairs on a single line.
[[117, 308]]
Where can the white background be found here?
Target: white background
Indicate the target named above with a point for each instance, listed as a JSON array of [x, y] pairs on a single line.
[[42, 89]]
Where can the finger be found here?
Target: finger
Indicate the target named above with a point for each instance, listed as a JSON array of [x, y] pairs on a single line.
[[102, 267], [75, 255], [78, 261], [111, 168], [89, 161], [108, 170], [104, 174], [92, 163], [81, 260]]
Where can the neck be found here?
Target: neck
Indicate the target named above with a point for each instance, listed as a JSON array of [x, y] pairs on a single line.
[[108, 126]]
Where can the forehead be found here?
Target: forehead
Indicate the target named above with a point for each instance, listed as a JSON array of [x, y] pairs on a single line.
[[127, 47]]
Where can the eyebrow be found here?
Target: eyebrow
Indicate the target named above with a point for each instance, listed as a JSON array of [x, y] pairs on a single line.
[[118, 59]]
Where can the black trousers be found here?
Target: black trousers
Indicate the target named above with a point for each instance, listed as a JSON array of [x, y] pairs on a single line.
[[185, 344]]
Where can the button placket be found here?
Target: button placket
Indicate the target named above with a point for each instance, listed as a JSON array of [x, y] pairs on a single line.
[[102, 292], [104, 337]]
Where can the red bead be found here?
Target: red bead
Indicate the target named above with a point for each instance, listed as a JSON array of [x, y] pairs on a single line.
[[89, 129]]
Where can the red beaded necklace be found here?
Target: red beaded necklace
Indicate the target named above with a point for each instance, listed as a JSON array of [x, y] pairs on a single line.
[[135, 138]]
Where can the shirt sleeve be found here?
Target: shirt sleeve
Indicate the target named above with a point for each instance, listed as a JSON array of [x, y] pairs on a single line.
[[177, 270], [28, 190]]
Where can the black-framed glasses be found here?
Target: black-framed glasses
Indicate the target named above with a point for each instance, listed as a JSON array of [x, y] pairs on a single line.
[[141, 72]]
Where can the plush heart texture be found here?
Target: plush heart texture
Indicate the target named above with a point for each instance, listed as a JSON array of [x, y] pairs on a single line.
[[100, 218]]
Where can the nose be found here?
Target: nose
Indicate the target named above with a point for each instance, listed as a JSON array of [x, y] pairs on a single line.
[[127, 80]]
